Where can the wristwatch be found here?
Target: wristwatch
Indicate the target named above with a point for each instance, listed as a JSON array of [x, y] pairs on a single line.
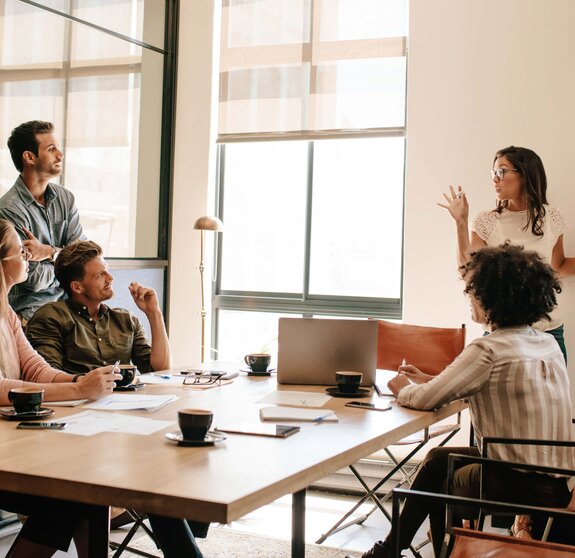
[[55, 253]]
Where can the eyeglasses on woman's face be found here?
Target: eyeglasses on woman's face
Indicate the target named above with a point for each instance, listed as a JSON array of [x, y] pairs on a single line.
[[24, 253], [500, 173]]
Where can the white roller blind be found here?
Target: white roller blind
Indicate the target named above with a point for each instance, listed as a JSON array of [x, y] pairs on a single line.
[[309, 68]]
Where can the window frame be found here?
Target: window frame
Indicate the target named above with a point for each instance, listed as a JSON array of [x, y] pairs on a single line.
[[299, 303]]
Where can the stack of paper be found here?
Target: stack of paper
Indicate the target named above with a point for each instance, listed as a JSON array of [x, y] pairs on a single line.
[[297, 414], [129, 402]]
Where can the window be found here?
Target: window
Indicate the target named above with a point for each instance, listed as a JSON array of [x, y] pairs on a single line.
[[312, 158], [95, 69]]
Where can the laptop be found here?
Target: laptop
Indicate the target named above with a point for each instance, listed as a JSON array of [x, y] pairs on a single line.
[[312, 350]]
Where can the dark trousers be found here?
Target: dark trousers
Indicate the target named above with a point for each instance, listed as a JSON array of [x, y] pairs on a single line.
[[174, 537], [504, 484]]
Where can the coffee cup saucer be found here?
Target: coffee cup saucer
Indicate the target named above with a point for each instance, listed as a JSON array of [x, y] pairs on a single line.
[[361, 392], [210, 439], [11, 414], [131, 387], [250, 372]]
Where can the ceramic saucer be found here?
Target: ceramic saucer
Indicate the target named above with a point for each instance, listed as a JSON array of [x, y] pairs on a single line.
[[250, 372], [210, 439], [131, 387], [334, 392], [10, 414]]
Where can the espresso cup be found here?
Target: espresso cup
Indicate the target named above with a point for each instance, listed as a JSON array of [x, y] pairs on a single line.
[[258, 362], [26, 399], [194, 423], [128, 372], [348, 381]]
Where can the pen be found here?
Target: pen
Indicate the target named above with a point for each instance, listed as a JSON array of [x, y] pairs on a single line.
[[165, 376], [322, 418], [116, 366], [403, 362]]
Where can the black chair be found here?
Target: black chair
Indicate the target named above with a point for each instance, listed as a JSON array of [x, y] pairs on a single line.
[[470, 543], [139, 523]]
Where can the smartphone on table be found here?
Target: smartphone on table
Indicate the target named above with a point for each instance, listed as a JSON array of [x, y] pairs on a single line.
[[41, 425], [369, 406]]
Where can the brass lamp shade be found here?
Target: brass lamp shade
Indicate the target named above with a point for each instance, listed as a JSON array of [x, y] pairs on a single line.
[[207, 223]]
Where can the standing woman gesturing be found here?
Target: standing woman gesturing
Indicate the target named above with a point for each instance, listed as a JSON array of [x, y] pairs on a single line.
[[522, 216]]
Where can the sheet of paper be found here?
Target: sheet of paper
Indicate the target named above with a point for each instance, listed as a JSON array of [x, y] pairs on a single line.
[[295, 414], [296, 398], [158, 379], [131, 402], [71, 403], [88, 423]]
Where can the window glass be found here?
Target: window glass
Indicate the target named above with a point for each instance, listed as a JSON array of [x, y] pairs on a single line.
[[94, 88], [241, 333], [264, 214], [357, 216]]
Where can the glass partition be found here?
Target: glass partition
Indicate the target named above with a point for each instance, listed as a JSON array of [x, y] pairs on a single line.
[[105, 95]]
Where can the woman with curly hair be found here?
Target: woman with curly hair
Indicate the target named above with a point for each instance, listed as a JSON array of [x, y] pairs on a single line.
[[522, 216], [516, 384]]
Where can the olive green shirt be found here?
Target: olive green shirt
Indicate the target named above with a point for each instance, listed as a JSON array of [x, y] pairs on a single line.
[[65, 335]]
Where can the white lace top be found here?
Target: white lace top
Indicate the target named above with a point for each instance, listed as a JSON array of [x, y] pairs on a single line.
[[495, 228]]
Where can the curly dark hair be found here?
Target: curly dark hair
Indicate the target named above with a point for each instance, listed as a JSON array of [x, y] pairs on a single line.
[[530, 167], [514, 286]]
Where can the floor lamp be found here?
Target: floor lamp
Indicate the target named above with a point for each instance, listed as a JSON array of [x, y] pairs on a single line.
[[205, 224]]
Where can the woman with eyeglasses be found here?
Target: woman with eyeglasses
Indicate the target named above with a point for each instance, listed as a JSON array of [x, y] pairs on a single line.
[[20, 365], [521, 216], [51, 524]]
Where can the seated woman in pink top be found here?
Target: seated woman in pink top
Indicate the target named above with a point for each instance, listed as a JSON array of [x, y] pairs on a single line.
[[20, 364], [51, 524]]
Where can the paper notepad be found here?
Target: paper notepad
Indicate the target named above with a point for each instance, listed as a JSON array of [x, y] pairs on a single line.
[[131, 402], [303, 414]]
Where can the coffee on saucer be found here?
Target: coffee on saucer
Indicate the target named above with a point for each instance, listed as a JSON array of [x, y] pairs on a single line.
[[258, 362], [348, 381], [26, 399], [194, 423], [128, 372]]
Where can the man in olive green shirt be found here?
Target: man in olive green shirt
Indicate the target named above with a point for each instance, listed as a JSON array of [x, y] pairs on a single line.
[[82, 333]]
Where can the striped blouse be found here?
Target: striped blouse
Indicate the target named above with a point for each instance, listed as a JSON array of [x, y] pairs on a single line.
[[517, 386]]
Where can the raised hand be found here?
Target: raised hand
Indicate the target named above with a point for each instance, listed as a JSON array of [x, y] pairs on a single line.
[[456, 204], [145, 298]]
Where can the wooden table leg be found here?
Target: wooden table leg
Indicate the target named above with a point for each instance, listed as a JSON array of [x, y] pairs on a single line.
[[298, 524]]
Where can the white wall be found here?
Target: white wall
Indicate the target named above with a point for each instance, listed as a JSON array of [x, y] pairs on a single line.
[[483, 74], [194, 171]]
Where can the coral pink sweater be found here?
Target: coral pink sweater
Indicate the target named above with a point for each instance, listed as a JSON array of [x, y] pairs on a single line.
[[18, 360]]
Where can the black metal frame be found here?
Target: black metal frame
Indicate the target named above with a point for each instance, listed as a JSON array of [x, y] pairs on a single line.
[[401, 494]]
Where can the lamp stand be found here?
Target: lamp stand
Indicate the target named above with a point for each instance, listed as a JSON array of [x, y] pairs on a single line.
[[203, 310]]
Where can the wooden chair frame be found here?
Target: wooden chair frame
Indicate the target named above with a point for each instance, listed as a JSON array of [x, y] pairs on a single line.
[[430, 349]]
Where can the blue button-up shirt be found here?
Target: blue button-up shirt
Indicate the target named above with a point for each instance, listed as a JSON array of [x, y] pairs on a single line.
[[56, 224]]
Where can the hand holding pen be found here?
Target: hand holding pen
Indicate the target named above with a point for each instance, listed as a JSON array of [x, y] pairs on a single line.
[[413, 374]]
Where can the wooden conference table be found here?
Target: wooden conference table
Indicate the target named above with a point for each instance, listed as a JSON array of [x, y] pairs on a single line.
[[218, 483]]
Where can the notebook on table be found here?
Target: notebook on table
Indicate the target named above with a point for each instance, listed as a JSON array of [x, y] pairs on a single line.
[[312, 350]]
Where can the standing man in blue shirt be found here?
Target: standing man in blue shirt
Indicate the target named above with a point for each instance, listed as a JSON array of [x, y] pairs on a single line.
[[44, 213]]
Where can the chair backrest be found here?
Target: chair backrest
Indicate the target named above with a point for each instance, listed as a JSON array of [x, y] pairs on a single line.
[[430, 349], [478, 544]]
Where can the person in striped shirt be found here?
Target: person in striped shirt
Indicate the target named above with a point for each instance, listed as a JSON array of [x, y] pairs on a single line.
[[516, 383]]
